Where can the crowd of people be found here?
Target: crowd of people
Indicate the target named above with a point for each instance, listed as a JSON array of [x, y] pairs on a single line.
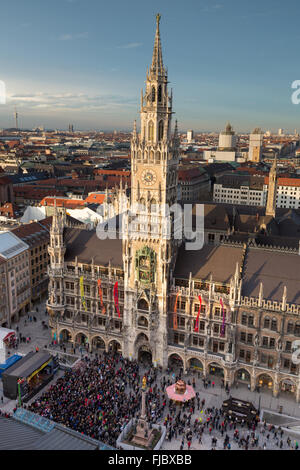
[[100, 397], [94, 399]]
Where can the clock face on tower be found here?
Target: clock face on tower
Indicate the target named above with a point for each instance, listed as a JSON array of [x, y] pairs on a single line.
[[148, 177]]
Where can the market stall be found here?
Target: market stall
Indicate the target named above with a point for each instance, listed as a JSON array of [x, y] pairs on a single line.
[[7, 341]]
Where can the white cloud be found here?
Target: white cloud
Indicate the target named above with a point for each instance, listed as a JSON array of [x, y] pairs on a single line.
[[72, 37], [130, 45], [71, 101]]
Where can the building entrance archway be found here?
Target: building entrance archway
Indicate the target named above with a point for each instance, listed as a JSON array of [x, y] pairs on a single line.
[[175, 362], [216, 370], [81, 339], [145, 355], [114, 347], [195, 364], [242, 376], [65, 336], [98, 343], [265, 381]]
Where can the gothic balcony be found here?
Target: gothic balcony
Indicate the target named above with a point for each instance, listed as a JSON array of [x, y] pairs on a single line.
[[269, 305], [55, 306], [185, 292], [53, 272], [98, 328], [64, 321], [81, 325]]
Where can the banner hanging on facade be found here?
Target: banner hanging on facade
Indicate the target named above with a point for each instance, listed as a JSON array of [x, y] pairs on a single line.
[[101, 296], [198, 315], [224, 318], [82, 294], [116, 298], [175, 323]]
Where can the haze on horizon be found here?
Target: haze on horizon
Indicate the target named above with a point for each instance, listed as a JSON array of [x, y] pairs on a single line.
[[84, 62]]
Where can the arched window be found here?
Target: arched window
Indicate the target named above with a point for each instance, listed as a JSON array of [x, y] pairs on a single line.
[[143, 304], [274, 324], [297, 329], [143, 204], [153, 205], [151, 156], [150, 131], [267, 322], [142, 321], [153, 94], [159, 94], [157, 158], [160, 130], [290, 327]]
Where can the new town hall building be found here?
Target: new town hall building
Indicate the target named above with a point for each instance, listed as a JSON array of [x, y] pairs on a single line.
[[230, 309]]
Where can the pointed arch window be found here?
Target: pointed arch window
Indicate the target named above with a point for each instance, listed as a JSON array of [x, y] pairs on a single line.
[[142, 204], [153, 205], [151, 131], [153, 94], [159, 94], [160, 130]]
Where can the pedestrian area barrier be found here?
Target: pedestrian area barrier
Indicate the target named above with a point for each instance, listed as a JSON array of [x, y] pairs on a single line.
[[37, 421]]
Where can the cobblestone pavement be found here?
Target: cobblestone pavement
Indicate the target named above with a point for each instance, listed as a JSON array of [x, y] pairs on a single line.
[[214, 396]]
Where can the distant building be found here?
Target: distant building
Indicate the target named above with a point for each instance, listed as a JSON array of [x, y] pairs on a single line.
[[14, 256], [272, 191], [36, 235], [255, 146], [227, 139], [6, 190], [238, 189], [256, 191], [226, 151], [194, 184], [190, 136]]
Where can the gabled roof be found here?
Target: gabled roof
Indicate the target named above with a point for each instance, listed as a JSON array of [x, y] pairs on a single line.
[[35, 232]]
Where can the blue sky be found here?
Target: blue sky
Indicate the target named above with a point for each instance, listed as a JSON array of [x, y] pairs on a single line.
[[84, 61]]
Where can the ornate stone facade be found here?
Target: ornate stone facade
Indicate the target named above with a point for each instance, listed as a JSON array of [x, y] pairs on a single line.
[[249, 296]]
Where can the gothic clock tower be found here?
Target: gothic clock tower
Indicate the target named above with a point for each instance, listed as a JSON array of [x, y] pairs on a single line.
[[148, 252]]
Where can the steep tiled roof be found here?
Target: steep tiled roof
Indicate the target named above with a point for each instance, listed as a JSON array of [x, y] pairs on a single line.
[[34, 232], [275, 270], [218, 261], [86, 245]]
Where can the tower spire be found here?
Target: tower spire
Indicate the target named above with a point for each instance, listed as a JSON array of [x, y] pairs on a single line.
[[134, 133], [157, 66]]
